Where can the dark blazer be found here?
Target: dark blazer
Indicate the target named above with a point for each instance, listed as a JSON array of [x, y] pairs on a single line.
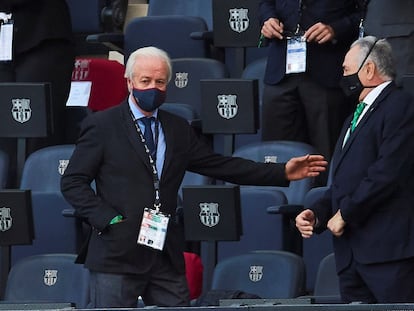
[[110, 152], [373, 184], [37, 21], [324, 61], [394, 20]]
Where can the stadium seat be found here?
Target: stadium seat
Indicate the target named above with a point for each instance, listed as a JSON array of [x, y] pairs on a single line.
[[53, 232], [268, 274], [48, 278], [260, 230], [327, 282], [254, 70], [102, 83], [201, 8], [43, 168], [4, 169], [282, 151], [169, 32], [186, 75]]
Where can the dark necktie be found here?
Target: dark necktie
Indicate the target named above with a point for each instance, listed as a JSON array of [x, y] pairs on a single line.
[[149, 138], [360, 107]]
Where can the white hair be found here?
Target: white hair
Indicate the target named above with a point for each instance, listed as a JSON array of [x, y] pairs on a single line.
[[149, 51]]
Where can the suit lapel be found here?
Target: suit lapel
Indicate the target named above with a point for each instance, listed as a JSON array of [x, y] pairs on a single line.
[[341, 152]]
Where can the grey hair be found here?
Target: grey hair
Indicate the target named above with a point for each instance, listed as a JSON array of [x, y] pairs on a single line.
[[380, 53], [149, 51]]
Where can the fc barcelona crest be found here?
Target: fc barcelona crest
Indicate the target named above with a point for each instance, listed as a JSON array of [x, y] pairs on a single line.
[[50, 277], [181, 79], [6, 220], [256, 273], [63, 164], [209, 214], [239, 19], [21, 110], [81, 69], [227, 106]]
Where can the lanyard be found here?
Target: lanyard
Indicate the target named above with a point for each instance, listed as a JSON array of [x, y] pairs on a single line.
[[152, 162]]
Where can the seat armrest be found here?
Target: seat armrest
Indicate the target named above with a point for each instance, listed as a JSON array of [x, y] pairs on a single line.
[[285, 209], [113, 40]]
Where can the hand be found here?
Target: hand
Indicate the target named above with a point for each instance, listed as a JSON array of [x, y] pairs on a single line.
[[336, 224], [305, 222], [272, 28], [319, 33], [305, 166]]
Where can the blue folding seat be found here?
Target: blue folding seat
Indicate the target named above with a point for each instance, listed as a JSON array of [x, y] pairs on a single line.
[[186, 75], [48, 278], [326, 288], [254, 70], [43, 168], [268, 274], [260, 230], [283, 151], [201, 8], [171, 33], [4, 169], [53, 233]]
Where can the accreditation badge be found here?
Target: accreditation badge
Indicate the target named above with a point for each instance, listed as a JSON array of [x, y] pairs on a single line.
[[6, 40], [296, 55], [153, 231]]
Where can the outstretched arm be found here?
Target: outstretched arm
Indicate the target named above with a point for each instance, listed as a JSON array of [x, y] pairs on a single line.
[[305, 166]]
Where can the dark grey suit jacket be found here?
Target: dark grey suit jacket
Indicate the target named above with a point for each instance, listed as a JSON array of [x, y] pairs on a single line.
[[110, 152]]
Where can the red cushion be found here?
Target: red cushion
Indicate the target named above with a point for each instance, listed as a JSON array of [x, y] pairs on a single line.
[[194, 273], [109, 86]]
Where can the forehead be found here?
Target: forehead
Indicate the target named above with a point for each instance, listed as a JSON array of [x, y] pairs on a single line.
[[150, 66], [352, 56]]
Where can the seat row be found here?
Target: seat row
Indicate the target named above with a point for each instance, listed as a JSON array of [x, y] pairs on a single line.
[[56, 278]]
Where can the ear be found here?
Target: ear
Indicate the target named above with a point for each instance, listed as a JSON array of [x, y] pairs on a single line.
[[130, 84], [370, 70]]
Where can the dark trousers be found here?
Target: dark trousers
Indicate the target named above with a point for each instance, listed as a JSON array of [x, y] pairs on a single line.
[[390, 282], [162, 286], [299, 109], [52, 61]]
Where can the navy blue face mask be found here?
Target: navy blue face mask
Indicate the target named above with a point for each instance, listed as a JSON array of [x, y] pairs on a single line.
[[149, 99]]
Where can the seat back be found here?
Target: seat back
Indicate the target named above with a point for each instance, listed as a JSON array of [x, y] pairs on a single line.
[[48, 278], [268, 274], [106, 77], [281, 151], [53, 232], [186, 76], [254, 70], [44, 168], [201, 8], [170, 33], [327, 282], [257, 224], [4, 169]]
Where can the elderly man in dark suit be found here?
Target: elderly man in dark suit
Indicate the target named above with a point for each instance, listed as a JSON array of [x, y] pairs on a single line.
[[369, 205], [137, 180]]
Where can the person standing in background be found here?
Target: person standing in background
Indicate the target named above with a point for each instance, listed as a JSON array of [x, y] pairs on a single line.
[[307, 41], [42, 51], [394, 20]]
